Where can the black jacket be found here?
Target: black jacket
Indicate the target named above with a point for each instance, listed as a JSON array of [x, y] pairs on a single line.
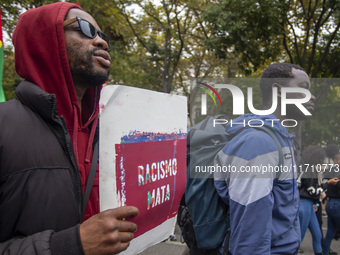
[[309, 188], [40, 188], [333, 191]]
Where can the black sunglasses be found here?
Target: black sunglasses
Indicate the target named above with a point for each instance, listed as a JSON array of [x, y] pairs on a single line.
[[88, 29]]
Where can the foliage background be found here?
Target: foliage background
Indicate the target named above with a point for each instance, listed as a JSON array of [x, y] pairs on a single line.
[[164, 45]]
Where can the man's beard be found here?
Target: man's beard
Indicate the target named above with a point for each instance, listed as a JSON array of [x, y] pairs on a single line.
[[84, 70]]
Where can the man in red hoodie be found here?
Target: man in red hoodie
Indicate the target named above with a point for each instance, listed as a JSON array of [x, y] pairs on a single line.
[[47, 138]]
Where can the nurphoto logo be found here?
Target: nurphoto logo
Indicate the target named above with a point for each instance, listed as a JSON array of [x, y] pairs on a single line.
[[204, 97], [237, 102]]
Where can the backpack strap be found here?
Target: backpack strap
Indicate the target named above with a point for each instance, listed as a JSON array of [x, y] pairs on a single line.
[[226, 244], [91, 176], [278, 145]]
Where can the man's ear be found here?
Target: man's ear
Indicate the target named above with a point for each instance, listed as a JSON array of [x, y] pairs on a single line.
[[278, 86]]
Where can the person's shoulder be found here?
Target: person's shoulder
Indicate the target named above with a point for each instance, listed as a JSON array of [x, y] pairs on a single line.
[[7, 106], [9, 110], [12, 104], [250, 143], [253, 137]]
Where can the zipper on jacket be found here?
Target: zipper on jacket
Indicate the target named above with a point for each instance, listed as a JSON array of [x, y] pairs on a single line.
[[75, 167]]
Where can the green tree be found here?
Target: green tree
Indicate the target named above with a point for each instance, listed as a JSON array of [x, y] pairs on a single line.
[[302, 32], [161, 29], [10, 11], [10, 79]]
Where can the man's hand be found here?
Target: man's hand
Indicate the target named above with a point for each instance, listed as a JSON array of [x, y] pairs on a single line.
[[107, 232], [333, 181]]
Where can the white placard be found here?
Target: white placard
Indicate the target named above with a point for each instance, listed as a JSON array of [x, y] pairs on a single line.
[[142, 148]]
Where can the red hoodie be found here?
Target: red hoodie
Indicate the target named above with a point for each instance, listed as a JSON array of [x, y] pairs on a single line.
[[41, 58]]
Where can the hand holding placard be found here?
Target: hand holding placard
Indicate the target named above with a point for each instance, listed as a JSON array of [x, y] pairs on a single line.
[[107, 232]]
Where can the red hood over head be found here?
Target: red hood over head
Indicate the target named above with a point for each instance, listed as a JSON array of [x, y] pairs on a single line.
[[41, 58]]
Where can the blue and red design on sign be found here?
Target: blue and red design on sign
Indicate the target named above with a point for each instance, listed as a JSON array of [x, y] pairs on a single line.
[[151, 175]]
